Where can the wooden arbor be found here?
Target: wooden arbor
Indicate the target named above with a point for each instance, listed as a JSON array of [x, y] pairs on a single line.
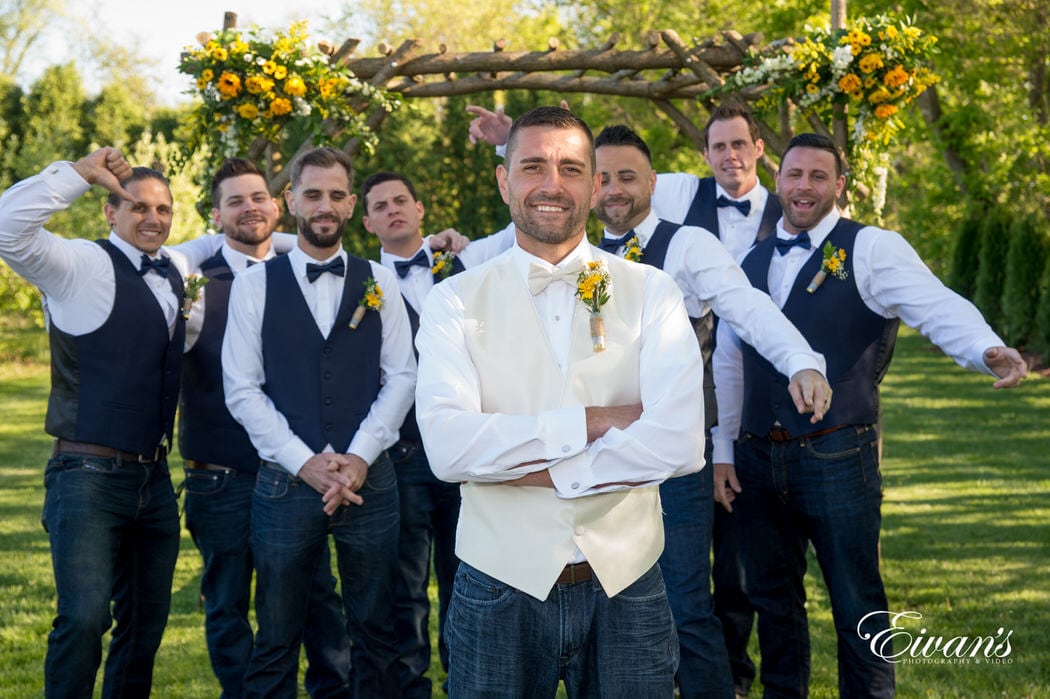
[[666, 71]]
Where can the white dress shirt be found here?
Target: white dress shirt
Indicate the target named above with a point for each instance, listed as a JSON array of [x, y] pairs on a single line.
[[893, 282], [238, 262], [674, 195], [483, 447], [711, 280], [416, 284], [244, 372], [76, 275]]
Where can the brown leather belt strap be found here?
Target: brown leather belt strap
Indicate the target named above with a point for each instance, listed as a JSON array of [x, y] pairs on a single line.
[[205, 466], [575, 573], [65, 446], [779, 434]]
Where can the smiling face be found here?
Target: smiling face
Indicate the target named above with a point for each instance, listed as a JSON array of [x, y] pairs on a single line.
[[627, 184], [322, 204], [145, 222], [394, 216], [245, 211], [733, 155], [549, 182], [807, 186]]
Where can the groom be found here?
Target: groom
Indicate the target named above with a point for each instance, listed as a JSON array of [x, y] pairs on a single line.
[[514, 401]]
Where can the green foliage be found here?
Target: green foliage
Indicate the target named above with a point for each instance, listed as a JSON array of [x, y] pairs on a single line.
[[1041, 339], [1025, 262], [18, 297], [991, 272], [966, 255], [52, 125]]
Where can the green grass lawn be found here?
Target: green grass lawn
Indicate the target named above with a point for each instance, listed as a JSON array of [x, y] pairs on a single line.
[[966, 532]]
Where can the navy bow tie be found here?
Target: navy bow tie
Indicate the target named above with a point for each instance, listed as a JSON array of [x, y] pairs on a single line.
[[159, 265], [801, 240], [402, 266], [614, 244], [743, 207], [336, 267]]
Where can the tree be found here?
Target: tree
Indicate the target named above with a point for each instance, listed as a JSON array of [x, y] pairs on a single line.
[[1025, 262]]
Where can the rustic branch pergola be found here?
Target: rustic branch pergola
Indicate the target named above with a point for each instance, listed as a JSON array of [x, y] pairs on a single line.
[[665, 72]]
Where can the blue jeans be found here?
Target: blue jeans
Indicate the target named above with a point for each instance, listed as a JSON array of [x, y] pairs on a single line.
[[731, 604], [218, 516], [289, 536], [828, 491], [429, 514], [688, 503], [114, 533], [505, 644]]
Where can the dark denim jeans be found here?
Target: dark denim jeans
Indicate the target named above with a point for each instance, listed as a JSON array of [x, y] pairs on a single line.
[[429, 514], [218, 516], [289, 535], [505, 644], [732, 606], [826, 491], [114, 533], [688, 503]]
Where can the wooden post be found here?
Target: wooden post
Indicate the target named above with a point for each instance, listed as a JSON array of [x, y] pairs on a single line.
[[839, 126]]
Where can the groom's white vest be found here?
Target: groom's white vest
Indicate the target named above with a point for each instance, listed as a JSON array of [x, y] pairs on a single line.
[[524, 536]]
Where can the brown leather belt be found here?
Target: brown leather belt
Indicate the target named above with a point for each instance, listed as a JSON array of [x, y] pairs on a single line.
[[779, 434], [575, 573], [65, 446], [204, 466]]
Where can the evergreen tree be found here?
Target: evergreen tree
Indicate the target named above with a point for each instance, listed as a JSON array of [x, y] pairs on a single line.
[[991, 272], [966, 255], [1025, 263]]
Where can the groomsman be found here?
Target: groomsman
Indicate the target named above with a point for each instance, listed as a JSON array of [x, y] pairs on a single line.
[[429, 507], [846, 286], [318, 368], [222, 464], [116, 340], [712, 283], [561, 432]]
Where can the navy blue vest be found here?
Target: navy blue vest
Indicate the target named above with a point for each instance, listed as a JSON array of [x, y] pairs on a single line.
[[703, 212], [207, 431], [655, 254], [857, 344], [324, 387], [410, 429], [118, 386]]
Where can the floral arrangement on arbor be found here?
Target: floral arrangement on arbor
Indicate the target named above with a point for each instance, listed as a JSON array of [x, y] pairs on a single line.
[[253, 85], [874, 67]]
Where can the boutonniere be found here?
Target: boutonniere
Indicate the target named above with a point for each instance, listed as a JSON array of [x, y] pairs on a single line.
[[371, 301], [191, 293], [442, 266], [632, 250], [833, 264], [592, 287]]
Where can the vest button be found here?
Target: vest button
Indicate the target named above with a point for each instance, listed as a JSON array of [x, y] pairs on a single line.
[[328, 400], [328, 376], [327, 350], [328, 427]]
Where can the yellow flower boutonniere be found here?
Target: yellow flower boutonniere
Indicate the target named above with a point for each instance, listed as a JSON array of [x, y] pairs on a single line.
[[632, 250], [192, 293], [592, 287], [442, 266], [371, 301], [834, 264]]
